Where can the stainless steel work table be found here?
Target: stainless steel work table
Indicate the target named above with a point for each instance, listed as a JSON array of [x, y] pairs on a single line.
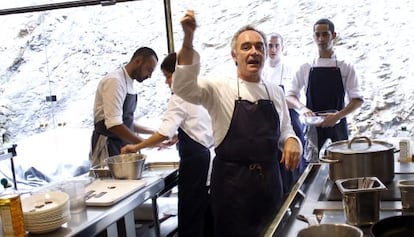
[[317, 196], [97, 219]]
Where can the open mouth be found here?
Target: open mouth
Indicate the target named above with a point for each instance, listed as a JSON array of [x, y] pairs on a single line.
[[253, 62]]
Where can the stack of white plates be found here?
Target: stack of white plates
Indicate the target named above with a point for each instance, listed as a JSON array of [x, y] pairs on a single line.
[[45, 212]]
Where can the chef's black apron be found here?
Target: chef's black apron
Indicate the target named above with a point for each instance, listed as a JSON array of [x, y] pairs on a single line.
[[326, 92], [194, 214], [246, 185], [114, 143]]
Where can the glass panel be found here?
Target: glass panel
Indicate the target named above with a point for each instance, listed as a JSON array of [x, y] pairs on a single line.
[[64, 54]]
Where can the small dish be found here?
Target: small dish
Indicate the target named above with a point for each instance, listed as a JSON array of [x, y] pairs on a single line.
[[314, 120]]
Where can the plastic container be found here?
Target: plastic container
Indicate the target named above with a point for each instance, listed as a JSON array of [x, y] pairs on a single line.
[[405, 145], [11, 212]]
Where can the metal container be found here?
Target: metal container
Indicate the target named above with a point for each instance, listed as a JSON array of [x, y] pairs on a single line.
[[407, 196], [360, 157], [337, 230], [126, 166], [361, 199], [100, 172]]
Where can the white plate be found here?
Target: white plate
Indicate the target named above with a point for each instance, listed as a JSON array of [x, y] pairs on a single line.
[[314, 120], [46, 227], [42, 203]]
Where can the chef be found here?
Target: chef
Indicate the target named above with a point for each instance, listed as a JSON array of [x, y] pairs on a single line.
[[250, 122], [115, 104], [195, 138], [326, 80], [277, 72]]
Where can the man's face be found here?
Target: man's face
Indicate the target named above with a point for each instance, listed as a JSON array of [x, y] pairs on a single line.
[[275, 49], [144, 68], [168, 77], [249, 54], [323, 37]]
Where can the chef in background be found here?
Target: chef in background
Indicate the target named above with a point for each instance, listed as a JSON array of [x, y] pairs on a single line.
[[195, 138], [325, 81], [250, 122], [115, 104], [277, 72]]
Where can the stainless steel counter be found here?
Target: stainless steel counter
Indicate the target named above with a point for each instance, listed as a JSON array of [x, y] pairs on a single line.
[[97, 219], [317, 196]]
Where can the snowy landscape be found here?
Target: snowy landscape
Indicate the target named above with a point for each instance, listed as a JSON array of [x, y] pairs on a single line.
[[66, 52]]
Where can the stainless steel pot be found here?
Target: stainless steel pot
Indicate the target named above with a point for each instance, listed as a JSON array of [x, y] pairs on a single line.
[[337, 230], [360, 157]]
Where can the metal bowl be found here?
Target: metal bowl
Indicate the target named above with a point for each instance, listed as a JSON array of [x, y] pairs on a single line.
[[337, 230], [126, 166]]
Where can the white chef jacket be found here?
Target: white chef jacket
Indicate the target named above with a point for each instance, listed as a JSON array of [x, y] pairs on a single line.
[[193, 119], [279, 75], [349, 77], [110, 96], [218, 96]]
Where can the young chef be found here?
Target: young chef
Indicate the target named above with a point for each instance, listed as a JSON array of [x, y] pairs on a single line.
[[195, 138], [326, 80], [277, 72], [115, 103]]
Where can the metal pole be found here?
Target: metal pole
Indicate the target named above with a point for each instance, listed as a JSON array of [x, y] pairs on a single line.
[[168, 24]]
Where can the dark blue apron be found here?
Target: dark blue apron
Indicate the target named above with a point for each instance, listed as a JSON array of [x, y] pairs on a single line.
[[194, 214], [246, 185], [290, 177], [114, 143], [326, 92]]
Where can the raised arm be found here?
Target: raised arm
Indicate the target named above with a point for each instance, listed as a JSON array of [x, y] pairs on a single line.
[[185, 55]]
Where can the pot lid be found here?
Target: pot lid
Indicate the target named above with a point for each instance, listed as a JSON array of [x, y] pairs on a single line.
[[359, 145]]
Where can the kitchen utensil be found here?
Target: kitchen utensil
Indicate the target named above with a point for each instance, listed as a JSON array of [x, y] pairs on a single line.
[[319, 117], [76, 191], [126, 166], [337, 230], [307, 219], [407, 195], [106, 192], [316, 229], [98, 171], [361, 199], [360, 157], [313, 120], [45, 212], [394, 226]]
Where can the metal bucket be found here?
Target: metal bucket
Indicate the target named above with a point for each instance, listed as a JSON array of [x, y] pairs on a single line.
[[361, 199]]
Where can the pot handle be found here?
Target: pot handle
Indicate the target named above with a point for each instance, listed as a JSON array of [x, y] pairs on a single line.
[[322, 152], [359, 138], [329, 161], [311, 220]]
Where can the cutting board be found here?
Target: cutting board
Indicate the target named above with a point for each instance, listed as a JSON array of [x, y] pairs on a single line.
[[106, 192]]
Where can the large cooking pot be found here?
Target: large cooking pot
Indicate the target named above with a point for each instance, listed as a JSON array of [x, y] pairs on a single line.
[[394, 226], [360, 157]]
